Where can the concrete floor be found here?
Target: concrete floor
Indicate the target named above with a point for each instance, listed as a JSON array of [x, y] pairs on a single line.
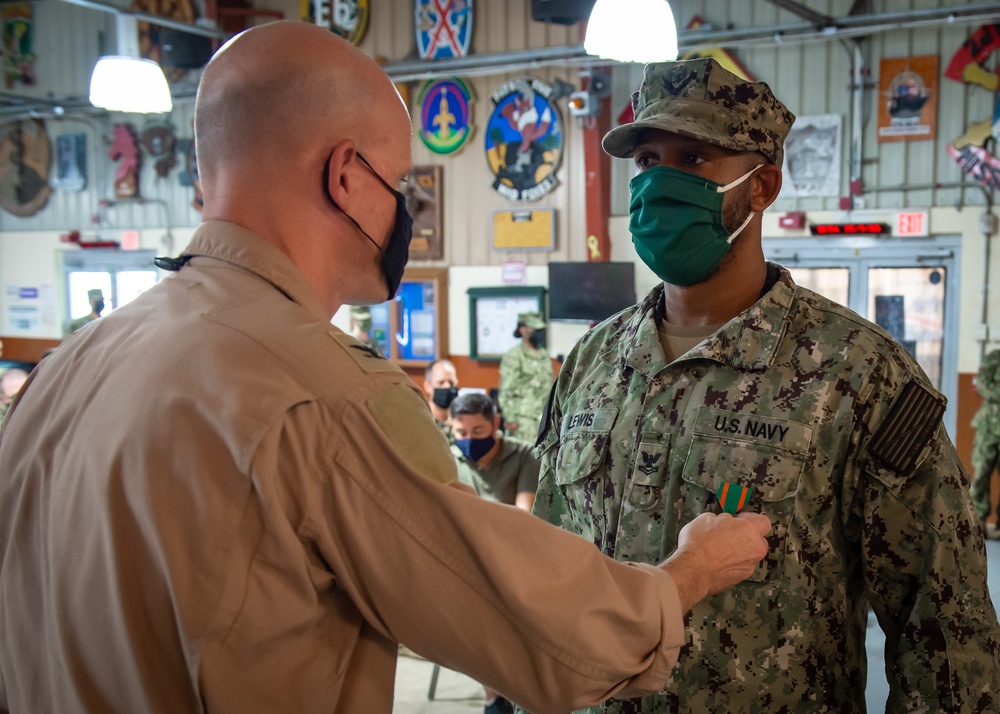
[[457, 694]]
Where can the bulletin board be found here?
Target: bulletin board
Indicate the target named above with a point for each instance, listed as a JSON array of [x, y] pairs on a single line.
[[493, 317], [523, 229], [412, 328]]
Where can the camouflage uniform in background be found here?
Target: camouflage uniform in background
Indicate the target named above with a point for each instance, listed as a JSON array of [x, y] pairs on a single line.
[[93, 296], [525, 381], [361, 327], [838, 432], [986, 443]]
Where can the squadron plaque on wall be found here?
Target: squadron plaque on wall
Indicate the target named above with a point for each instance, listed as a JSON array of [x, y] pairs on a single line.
[[444, 28], [347, 18], [445, 115], [524, 139]]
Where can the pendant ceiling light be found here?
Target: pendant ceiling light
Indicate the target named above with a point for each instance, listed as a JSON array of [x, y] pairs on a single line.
[[126, 83], [632, 31]]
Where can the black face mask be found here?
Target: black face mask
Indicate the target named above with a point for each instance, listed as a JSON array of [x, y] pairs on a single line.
[[99, 307], [537, 338], [444, 396], [397, 250]]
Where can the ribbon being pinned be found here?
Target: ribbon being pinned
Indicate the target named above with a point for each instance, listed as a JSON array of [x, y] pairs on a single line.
[[733, 497]]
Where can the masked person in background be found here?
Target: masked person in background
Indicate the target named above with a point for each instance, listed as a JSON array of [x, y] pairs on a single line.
[[96, 299], [361, 328], [525, 378], [441, 388], [214, 500], [729, 388], [501, 470]]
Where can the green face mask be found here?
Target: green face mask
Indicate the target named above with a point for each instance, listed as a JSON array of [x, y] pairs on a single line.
[[676, 223]]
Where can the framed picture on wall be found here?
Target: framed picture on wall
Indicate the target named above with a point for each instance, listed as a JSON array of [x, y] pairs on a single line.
[[423, 198], [493, 317], [412, 328]]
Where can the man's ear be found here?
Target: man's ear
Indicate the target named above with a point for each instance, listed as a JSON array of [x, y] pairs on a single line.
[[339, 180], [765, 186], [496, 422]]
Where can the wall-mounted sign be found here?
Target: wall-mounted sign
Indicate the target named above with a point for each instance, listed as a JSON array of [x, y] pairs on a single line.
[[908, 91], [423, 198], [912, 223], [524, 230], [444, 28], [849, 229], [445, 115], [71, 162], [812, 157], [347, 18], [524, 139]]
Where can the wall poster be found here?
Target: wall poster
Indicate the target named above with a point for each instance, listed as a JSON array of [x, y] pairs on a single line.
[[908, 92]]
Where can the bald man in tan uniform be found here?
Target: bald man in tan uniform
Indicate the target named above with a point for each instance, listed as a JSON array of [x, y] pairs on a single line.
[[212, 500]]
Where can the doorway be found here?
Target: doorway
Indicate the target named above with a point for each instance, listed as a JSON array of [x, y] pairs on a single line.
[[909, 288]]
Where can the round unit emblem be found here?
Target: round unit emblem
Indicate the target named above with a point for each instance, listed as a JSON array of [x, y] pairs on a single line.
[[524, 139], [445, 115], [444, 28]]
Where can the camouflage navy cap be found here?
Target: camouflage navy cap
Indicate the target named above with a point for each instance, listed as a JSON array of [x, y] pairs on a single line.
[[95, 294], [363, 316], [701, 99], [534, 320]]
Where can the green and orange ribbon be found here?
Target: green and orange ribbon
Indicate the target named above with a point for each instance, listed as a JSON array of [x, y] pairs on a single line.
[[733, 496]]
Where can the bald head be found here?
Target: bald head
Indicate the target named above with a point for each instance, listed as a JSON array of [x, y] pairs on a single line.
[[301, 138], [283, 89]]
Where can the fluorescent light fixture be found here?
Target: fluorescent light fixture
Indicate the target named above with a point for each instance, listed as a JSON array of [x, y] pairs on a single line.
[[632, 31], [127, 84]]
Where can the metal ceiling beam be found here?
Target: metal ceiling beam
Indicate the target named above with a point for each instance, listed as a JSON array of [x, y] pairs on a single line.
[[818, 19], [188, 27], [575, 56]]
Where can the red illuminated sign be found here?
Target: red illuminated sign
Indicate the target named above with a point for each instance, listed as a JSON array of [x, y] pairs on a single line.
[[849, 229]]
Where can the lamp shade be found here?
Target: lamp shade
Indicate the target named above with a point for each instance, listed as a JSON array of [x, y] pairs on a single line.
[[632, 31], [128, 84]]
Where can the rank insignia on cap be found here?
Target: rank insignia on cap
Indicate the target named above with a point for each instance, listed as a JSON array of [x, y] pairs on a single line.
[[733, 496]]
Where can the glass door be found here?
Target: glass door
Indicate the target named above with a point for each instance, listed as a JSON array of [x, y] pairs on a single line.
[[909, 288]]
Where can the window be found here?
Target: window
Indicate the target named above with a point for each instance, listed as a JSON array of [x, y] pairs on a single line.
[[121, 276]]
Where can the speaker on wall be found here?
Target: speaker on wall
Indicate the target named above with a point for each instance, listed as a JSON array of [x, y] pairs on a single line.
[[563, 12], [184, 49]]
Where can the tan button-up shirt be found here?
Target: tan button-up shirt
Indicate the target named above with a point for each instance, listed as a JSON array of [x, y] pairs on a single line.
[[212, 500]]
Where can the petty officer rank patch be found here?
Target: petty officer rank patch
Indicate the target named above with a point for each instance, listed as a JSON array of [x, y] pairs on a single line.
[[906, 429]]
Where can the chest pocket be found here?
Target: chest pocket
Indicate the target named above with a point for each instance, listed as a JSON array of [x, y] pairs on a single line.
[[763, 453], [583, 449]]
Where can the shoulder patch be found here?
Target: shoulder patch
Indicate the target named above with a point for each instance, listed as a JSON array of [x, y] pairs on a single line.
[[406, 421], [366, 357], [907, 428]]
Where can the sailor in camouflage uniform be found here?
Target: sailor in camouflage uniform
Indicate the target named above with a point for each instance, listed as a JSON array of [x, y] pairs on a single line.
[[986, 443], [525, 378], [730, 387]]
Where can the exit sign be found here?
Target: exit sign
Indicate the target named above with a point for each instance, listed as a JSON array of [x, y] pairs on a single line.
[[911, 223]]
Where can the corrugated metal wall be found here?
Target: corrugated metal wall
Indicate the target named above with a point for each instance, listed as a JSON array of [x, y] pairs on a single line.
[[815, 78], [468, 198], [811, 78], [67, 41]]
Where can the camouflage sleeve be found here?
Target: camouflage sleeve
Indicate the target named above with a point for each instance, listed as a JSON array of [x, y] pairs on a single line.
[[550, 503], [988, 379], [924, 564], [510, 377]]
